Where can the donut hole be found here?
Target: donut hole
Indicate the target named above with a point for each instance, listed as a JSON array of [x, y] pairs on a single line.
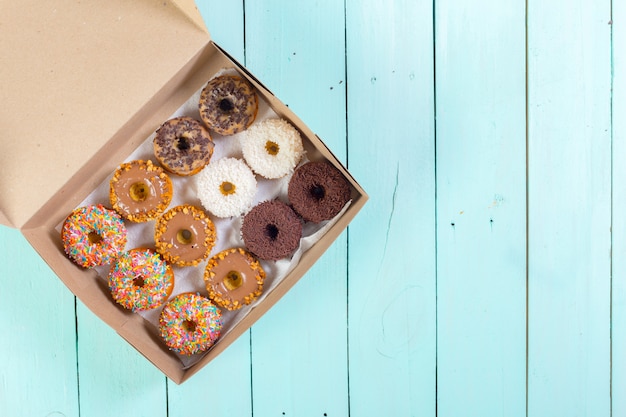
[[182, 144], [94, 238], [272, 148], [139, 191], [184, 237], [271, 231], [233, 280], [189, 326], [317, 192], [226, 105], [138, 281], [227, 188]]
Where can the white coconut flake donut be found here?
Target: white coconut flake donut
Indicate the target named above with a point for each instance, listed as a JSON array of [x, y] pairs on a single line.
[[272, 148], [226, 187]]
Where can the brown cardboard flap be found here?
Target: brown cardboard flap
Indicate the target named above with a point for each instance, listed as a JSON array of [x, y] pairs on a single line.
[[71, 77]]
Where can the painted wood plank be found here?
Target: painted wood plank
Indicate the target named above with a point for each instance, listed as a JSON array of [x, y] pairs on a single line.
[[391, 298], [224, 385], [569, 70], [115, 379], [481, 216], [38, 337], [299, 349], [618, 324]]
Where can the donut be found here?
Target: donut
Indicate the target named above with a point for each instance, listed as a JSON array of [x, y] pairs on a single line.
[[184, 235], [140, 191], [190, 323], [93, 235], [183, 146], [271, 230], [272, 148], [228, 104], [226, 187], [234, 278], [318, 191], [140, 280]]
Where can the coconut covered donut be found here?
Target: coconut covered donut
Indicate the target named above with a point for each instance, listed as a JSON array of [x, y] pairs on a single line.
[[190, 323], [226, 187], [272, 148], [140, 191], [93, 235], [234, 278], [183, 146], [140, 280], [228, 104], [318, 191], [184, 235], [271, 230]]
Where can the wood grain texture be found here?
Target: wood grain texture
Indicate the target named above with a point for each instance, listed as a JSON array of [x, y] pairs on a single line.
[[481, 215], [391, 300], [224, 385], [37, 335], [299, 349], [569, 72], [618, 316], [420, 309]]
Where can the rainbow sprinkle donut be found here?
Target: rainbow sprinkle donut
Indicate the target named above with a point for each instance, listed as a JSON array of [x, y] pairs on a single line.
[[93, 235], [140, 280], [190, 323]]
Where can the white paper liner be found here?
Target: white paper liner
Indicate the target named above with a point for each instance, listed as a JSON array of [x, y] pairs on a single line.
[[190, 279]]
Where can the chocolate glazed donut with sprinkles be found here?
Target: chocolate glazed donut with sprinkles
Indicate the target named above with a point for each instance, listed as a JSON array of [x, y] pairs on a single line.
[[228, 104], [93, 235], [183, 146]]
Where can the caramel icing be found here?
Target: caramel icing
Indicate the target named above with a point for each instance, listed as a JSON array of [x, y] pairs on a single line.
[[234, 278], [185, 235], [140, 191]]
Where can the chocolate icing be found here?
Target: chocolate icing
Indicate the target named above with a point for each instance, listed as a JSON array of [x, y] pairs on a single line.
[[271, 230], [318, 191]]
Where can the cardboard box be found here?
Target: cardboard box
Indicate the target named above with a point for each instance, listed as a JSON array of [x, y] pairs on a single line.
[[87, 84]]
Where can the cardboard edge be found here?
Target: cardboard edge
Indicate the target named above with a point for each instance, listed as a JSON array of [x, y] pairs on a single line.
[[4, 220], [41, 233], [190, 10]]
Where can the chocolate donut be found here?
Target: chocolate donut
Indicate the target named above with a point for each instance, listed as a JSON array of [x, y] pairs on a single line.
[[271, 230], [233, 278], [140, 191], [228, 104], [184, 235], [183, 146], [318, 191]]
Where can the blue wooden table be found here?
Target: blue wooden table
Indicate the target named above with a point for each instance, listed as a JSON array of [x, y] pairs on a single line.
[[485, 277]]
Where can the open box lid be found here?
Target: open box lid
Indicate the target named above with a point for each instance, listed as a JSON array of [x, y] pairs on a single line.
[[71, 77]]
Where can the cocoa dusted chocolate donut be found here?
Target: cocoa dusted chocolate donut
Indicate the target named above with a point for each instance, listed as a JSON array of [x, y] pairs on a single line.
[[271, 230], [318, 191], [183, 146], [228, 104]]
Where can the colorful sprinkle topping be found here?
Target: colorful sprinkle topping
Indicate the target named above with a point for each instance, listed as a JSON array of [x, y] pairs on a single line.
[[93, 235], [190, 323], [141, 280]]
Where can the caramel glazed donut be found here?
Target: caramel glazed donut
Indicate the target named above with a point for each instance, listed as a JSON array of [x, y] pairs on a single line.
[[183, 146], [140, 191], [184, 235], [234, 278], [228, 104]]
